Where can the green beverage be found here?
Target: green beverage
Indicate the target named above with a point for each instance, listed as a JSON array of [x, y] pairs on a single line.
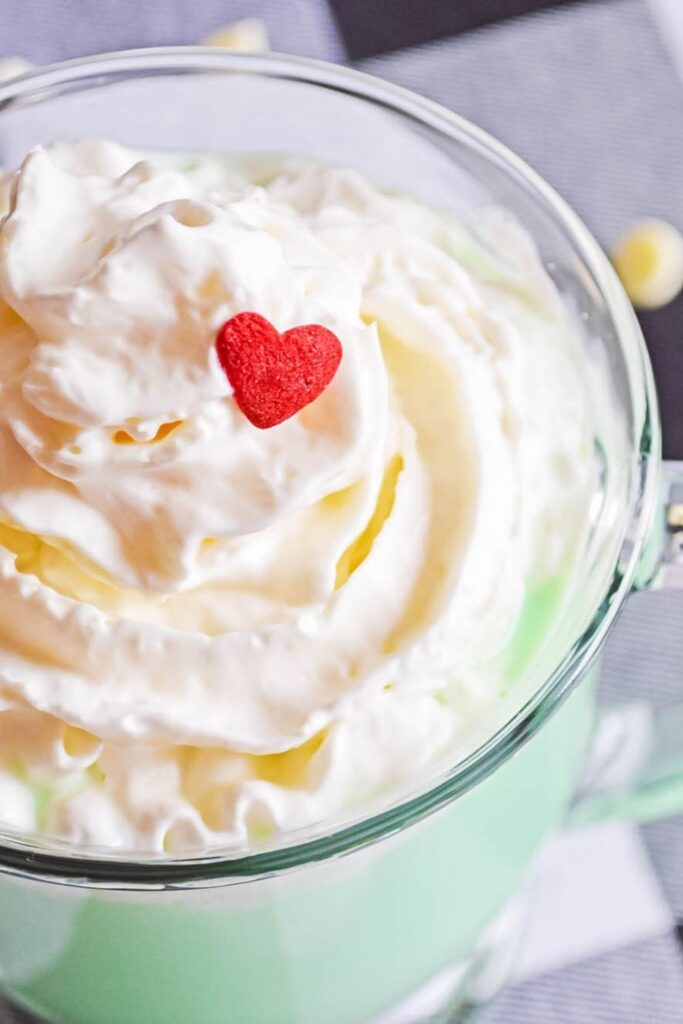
[[318, 499], [339, 941]]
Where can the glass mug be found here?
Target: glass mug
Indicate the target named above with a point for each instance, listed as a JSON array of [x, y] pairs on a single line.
[[404, 914]]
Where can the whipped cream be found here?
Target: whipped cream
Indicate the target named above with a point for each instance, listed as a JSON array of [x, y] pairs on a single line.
[[211, 633]]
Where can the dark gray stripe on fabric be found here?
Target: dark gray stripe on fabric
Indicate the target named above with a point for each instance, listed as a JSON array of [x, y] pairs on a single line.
[[631, 986], [371, 27]]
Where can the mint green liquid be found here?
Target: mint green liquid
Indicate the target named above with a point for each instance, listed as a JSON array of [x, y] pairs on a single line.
[[336, 942]]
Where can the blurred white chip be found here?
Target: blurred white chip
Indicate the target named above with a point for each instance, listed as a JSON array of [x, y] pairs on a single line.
[[247, 36], [649, 260], [12, 67]]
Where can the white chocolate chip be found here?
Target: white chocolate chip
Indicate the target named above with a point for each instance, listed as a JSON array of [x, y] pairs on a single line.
[[12, 67], [649, 261], [247, 36]]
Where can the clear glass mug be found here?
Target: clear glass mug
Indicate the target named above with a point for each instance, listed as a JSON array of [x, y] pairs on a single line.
[[401, 915]]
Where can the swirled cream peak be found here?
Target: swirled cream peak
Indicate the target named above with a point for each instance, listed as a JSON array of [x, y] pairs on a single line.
[[204, 601]]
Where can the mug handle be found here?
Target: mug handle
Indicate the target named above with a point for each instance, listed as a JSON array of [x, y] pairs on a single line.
[[634, 767]]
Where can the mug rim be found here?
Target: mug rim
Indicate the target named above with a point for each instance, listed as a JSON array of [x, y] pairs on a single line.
[[50, 859]]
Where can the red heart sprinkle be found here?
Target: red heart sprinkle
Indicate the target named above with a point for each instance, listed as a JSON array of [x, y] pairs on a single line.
[[275, 375]]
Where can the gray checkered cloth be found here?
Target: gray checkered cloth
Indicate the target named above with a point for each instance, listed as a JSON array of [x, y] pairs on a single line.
[[591, 95]]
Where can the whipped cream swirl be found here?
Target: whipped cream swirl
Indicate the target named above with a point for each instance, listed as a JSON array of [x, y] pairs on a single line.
[[211, 632]]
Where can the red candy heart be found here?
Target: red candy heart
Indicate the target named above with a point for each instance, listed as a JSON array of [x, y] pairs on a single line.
[[275, 375]]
